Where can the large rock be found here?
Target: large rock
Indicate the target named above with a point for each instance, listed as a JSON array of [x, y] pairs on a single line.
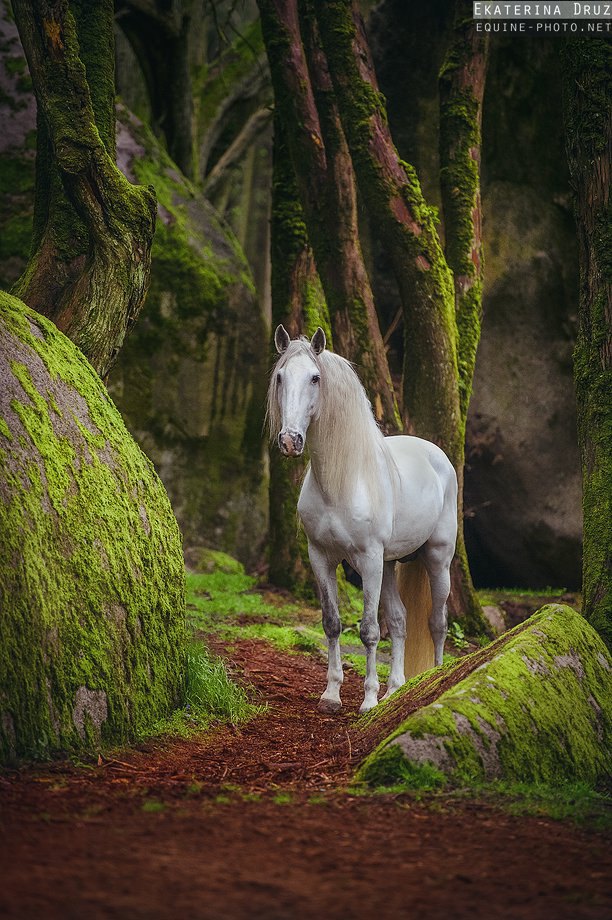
[[92, 609], [539, 710], [523, 482], [191, 379]]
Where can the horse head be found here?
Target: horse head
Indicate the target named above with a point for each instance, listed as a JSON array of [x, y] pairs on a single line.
[[295, 389]]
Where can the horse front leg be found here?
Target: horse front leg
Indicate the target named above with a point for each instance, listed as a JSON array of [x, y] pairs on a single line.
[[395, 614], [371, 570], [325, 574]]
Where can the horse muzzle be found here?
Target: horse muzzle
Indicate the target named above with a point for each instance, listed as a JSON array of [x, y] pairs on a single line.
[[291, 443]]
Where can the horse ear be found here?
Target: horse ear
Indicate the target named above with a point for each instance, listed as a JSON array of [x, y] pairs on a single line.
[[317, 342], [281, 339]]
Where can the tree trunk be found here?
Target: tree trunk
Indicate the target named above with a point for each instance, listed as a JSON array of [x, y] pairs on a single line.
[[462, 82], [297, 302], [588, 123], [305, 102], [392, 193], [93, 230]]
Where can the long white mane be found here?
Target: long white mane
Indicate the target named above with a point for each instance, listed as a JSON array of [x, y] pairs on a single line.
[[344, 440]]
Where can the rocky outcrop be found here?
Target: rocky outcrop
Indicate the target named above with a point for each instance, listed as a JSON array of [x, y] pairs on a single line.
[[92, 612], [538, 710]]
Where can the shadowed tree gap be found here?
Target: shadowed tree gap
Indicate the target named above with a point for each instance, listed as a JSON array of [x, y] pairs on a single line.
[[90, 265], [587, 67]]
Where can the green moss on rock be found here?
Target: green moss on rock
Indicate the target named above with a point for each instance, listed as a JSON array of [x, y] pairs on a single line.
[[92, 614], [539, 711]]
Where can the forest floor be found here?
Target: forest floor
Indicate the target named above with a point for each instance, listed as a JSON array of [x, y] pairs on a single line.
[[257, 820]]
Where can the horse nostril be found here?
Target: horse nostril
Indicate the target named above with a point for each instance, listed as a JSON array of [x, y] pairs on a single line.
[[291, 443]]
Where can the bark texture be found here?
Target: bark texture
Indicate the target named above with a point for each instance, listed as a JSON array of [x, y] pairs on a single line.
[[299, 304], [392, 193], [306, 105], [93, 231], [588, 117], [462, 82]]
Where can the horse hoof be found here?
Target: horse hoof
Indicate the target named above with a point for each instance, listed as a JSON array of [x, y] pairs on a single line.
[[329, 707], [366, 707]]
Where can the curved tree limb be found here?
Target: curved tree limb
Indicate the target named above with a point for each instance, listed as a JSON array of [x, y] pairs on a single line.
[[90, 270]]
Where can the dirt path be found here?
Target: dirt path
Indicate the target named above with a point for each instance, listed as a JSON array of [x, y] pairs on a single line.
[[165, 832]]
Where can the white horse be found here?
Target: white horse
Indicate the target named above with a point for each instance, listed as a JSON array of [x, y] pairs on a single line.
[[370, 500]]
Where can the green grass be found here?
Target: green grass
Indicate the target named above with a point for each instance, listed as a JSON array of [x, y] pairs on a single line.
[[575, 802], [210, 696]]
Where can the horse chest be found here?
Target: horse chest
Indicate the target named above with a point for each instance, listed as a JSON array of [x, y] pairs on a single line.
[[340, 529]]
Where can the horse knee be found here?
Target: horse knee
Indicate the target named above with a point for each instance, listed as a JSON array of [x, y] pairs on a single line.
[[331, 624], [438, 626], [396, 621], [369, 633]]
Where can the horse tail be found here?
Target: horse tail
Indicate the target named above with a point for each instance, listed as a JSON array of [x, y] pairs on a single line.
[[415, 593]]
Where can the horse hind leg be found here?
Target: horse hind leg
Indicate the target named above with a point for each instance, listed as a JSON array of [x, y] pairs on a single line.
[[438, 569], [325, 574]]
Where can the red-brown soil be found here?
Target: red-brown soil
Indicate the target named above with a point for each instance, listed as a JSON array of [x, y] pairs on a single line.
[[251, 822]]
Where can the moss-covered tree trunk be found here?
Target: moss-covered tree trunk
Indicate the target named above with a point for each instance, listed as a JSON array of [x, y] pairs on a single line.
[[297, 302], [305, 103], [462, 82], [588, 122], [407, 226], [93, 230]]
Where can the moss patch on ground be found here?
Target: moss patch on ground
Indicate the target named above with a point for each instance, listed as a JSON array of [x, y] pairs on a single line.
[[539, 711]]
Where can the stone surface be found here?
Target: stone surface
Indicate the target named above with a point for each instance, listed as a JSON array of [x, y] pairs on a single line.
[[540, 710]]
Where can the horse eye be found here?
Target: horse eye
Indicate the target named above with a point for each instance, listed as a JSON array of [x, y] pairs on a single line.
[[278, 379], [315, 378]]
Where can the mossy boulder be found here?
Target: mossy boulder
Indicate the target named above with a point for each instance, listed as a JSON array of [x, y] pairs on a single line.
[[540, 711], [92, 604]]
